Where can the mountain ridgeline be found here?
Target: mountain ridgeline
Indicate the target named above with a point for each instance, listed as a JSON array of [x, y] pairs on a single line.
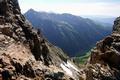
[[74, 34], [26, 55]]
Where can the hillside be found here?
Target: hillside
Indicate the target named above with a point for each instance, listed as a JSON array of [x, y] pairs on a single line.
[[74, 34], [25, 54]]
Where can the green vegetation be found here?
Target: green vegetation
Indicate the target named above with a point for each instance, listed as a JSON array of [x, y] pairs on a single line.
[[73, 34], [81, 59]]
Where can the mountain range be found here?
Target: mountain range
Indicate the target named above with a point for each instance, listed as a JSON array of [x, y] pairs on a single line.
[[74, 34], [107, 21], [26, 55]]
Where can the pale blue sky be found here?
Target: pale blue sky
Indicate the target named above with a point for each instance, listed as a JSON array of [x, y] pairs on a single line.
[[77, 7]]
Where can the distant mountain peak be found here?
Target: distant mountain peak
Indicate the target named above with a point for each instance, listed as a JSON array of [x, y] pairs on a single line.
[[31, 10], [24, 53], [74, 30]]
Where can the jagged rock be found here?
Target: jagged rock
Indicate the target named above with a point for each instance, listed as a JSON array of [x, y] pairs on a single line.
[[116, 27], [24, 53], [104, 63]]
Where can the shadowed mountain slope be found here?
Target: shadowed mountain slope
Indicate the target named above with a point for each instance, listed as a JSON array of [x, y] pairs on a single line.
[[74, 34], [25, 54]]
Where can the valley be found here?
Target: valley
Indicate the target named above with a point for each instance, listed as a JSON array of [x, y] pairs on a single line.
[[74, 34]]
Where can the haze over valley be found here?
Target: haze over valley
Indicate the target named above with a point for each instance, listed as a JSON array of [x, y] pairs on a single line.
[[60, 40], [74, 34]]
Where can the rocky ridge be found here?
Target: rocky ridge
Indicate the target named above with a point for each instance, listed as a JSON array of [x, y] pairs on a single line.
[[25, 54], [104, 62]]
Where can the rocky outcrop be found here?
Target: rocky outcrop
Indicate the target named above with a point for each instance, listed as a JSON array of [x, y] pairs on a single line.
[[25, 53], [104, 63]]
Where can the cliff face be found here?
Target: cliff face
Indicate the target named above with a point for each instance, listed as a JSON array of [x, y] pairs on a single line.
[[25, 54], [104, 63]]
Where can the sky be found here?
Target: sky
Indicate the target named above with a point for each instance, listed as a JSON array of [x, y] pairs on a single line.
[[76, 7]]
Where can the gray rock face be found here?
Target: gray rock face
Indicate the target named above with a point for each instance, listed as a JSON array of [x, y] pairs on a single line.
[[24, 53]]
